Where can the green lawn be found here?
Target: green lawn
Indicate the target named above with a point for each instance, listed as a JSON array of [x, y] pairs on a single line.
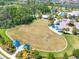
[[3, 34], [8, 42]]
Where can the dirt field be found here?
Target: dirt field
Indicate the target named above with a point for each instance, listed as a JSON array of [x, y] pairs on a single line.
[[38, 35]]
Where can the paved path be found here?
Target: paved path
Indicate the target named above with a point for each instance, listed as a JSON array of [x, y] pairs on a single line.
[[19, 49], [13, 56], [1, 56], [6, 54]]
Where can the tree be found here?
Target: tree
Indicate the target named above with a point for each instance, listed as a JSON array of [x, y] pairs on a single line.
[[51, 56], [1, 41], [76, 53], [70, 17], [58, 17], [65, 16], [43, 8], [77, 18], [37, 55], [19, 54], [71, 23], [49, 2], [65, 30], [74, 31], [24, 54], [65, 56], [2, 2], [28, 2], [17, 15], [51, 19]]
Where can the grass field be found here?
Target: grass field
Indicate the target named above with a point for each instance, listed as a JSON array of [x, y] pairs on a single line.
[[3, 34], [39, 36], [74, 40]]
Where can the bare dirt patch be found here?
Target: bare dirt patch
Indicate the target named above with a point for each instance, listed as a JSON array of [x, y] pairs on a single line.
[[38, 35]]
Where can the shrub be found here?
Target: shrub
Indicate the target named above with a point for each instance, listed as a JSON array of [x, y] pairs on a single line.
[[51, 56], [77, 18], [76, 53], [65, 29], [70, 23], [65, 56], [74, 31]]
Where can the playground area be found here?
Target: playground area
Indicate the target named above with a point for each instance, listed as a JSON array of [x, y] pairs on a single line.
[[39, 36]]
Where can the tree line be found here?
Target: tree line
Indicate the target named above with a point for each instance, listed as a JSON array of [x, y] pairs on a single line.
[[20, 14]]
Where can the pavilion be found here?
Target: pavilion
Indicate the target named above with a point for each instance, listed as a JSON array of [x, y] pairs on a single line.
[[26, 46], [16, 43]]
